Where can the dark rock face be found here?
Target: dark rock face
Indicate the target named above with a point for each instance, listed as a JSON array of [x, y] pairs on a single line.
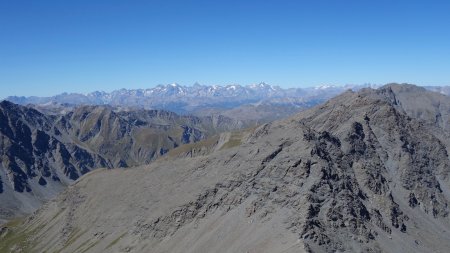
[[42, 181], [385, 148], [52, 151], [190, 135], [30, 150]]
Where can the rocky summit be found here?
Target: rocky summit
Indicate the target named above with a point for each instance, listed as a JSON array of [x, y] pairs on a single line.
[[367, 171]]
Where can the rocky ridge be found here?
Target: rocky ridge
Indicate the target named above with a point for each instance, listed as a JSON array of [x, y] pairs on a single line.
[[360, 173]]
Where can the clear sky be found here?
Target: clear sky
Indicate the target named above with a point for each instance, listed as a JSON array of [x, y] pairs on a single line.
[[47, 47]]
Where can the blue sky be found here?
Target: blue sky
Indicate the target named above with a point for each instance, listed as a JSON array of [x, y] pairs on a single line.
[[47, 47]]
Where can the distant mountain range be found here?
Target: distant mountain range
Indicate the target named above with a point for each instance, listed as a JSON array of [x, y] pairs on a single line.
[[198, 99], [190, 99]]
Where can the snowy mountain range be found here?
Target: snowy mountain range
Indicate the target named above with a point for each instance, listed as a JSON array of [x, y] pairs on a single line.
[[189, 99]]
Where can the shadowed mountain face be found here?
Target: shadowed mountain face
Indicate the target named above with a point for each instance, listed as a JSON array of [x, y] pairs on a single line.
[[41, 154], [361, 173], [36, 159]]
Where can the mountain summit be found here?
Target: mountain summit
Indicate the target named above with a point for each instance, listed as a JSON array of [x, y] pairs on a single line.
[[363, 172]]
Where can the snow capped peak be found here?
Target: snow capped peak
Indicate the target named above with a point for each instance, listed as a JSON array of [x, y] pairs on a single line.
[[164, 94], [263, 86], [231, 87], [324, 87], [176, 91]]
